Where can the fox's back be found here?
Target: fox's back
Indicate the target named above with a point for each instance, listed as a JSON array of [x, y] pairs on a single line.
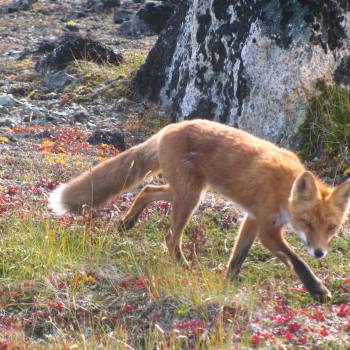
[[204, 140], [230, 161]]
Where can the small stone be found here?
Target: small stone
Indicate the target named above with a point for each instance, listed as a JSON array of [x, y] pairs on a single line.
[[8, 136], [72, 27], [125, 28], [95, 6], [20, 89], [17, 5], [121, 16], [42, 135], [23, 4], [80, 117], [29, 118], [100, 6], [115, 138], [34, 111], [8, 123], [73, 16], [7, 100], [110, 3], [57, 81], [52, 119], [91, 125]]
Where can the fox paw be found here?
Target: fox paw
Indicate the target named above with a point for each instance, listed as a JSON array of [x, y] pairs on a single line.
[[234, 277], [233, 273], [182, 260], [124, 225], [321, 294], [175, 251]]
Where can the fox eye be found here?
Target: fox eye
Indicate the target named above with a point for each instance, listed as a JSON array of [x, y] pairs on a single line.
[[307, 223], [332, 227]]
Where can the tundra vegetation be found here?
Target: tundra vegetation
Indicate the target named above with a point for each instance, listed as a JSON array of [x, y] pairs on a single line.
[[78, 283]]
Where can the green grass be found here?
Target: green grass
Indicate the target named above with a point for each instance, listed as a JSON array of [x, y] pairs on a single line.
[[90, 263], [107, 80], [326, 131], [41, 247], [78, 284]]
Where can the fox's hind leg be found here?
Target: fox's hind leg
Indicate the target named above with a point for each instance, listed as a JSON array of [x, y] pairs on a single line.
[[244, 241], [184, 203], [147, 195]]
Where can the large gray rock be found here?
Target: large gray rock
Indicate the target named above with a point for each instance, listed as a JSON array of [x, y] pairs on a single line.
[[253, 64]]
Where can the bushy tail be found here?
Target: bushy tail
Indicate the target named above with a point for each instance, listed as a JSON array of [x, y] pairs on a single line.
[[95, 186]]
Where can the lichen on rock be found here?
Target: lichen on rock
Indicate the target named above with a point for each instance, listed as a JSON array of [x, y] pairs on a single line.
[[253, 64]]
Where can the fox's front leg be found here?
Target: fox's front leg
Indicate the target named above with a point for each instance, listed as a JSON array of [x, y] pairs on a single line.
[[274, 241]]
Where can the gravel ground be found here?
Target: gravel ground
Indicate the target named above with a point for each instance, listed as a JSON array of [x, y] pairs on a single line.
[[29, 101]]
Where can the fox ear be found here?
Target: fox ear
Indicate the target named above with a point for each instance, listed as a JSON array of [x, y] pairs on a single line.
[[304, 188], [341, 195]]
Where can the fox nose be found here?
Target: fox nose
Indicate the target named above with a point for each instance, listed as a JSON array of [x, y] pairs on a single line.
[[319, 253]]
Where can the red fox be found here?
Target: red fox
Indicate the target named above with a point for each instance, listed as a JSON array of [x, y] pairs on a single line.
[[269, 183]]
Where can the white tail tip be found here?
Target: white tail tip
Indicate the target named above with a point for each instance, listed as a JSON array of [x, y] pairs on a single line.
[[55, 202]]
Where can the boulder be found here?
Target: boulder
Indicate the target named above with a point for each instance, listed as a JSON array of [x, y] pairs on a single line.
[[252, 64], [155, 15], [150, 19]]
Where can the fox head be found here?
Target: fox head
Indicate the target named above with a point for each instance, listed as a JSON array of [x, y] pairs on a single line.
[[316, 211]]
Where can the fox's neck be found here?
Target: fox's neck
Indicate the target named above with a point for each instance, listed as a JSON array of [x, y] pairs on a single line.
[[282, 218]]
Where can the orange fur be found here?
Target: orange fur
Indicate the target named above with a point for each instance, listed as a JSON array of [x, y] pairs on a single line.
[[268, 182]]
